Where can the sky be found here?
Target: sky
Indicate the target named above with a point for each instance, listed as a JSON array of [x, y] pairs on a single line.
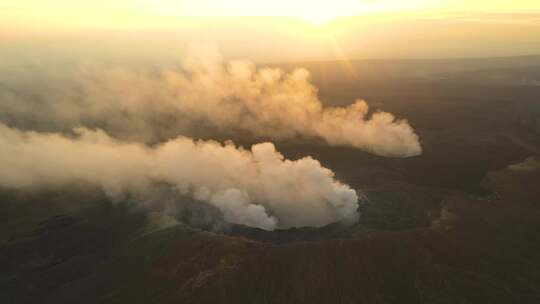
[[278, 30], [68, 15]]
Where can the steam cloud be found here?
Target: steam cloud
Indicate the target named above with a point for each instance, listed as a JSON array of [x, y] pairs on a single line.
[[134, 127], [152, 106], [258, 188]]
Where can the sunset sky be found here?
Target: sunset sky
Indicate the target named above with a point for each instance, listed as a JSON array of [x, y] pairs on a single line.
[[285, 30]]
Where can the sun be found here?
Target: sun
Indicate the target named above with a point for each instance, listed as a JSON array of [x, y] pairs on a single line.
[[319, 19], [320, 13]]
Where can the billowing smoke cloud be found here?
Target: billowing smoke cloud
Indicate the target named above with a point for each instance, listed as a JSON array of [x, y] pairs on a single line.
[[236, 97], [256, 187], [135, 122]]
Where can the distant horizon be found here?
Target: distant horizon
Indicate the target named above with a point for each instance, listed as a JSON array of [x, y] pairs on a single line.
[[402, 59], [70, 33]]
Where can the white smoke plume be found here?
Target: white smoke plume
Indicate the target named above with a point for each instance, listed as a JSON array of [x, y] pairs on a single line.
[[257, 187], [151, 106]]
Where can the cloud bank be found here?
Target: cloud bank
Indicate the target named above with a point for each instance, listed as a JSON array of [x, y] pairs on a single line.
[[257, 187], [203, 91]]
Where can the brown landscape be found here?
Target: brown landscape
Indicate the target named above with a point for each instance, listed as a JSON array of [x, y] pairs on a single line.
[[458, 224]]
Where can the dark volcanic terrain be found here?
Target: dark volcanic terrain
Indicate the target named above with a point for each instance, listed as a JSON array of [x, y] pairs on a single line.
[[459, 224]]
